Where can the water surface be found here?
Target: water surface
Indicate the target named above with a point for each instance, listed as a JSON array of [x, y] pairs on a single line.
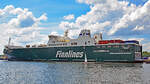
[[12, 72]]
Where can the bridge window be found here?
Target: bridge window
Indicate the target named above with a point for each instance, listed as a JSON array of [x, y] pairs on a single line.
[[85, 43], [87, 33], [74, 43]]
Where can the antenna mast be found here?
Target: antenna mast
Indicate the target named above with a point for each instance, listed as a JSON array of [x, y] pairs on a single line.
[[66, 33], [9, 41]]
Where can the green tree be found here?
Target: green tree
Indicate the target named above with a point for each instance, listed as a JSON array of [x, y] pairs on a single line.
[[146, 54]]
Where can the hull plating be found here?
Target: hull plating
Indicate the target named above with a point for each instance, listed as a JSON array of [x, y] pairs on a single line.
[[76, 53]]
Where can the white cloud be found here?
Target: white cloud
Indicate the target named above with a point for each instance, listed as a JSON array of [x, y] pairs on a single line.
[[22, 35], [138, 28], [137, 20], [24, 18], [54, 33], [115, 18], [22, 27], [101, 17], [42, 17], [124, 19], [69, 17], [146, 46], [91, 1]]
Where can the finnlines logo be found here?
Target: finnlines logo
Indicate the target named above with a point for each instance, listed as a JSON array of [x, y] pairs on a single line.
[[69, 54]]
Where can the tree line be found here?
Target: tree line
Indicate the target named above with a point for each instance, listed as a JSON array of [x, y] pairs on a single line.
[[146, 54]]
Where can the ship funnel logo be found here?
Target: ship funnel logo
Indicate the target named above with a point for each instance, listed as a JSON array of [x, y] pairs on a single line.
[[70, 54]]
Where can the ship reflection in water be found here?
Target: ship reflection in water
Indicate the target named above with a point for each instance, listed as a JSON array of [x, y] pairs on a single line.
[[73, 73]]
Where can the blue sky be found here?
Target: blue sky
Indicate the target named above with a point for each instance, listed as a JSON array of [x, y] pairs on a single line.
[[55, 9], [30, 21]]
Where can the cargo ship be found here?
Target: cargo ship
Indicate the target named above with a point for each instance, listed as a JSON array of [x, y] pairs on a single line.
[[85, 48]]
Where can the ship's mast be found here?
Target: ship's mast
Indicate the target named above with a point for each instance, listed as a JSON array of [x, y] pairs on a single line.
[[9, 41], [66, 33]]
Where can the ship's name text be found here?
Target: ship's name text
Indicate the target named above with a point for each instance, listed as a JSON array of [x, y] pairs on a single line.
[[69, 54]]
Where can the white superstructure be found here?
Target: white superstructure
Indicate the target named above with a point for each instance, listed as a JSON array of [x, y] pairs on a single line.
[[84, 39]]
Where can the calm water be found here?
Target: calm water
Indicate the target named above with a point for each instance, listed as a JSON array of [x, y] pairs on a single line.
[[73, 73]]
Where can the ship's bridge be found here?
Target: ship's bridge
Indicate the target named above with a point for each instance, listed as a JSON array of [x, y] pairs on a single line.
[[84, 39], [85, 33]]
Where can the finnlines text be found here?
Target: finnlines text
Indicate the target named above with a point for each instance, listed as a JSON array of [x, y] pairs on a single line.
[[69, 54]]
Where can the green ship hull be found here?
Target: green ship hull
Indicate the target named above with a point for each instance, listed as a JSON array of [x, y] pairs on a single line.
[[97, 53]]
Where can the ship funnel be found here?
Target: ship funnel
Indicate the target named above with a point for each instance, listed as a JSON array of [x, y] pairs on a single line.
[[98, 37], [101, 37]]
